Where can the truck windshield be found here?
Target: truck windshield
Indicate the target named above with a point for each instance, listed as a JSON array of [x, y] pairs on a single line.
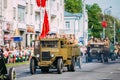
[[49, 44]]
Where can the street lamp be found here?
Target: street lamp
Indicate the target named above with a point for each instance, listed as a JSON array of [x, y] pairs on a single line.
[[83, 20], [104, 19], [114, 33]]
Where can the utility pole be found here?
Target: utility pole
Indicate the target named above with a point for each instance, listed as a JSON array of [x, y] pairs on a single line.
[[103, 33], [104, 19], [114, 33], [41, 18], [83, 21]]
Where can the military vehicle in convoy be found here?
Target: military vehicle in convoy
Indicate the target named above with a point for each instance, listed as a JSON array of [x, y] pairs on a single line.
[[53, 53], [98, 51]]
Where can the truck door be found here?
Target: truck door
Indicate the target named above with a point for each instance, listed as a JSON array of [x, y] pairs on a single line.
[[37, 48]]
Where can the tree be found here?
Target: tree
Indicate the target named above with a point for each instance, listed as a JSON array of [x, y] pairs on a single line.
[[94, 12], [95, 18], [118, 30], [110, 27], [73, 6]]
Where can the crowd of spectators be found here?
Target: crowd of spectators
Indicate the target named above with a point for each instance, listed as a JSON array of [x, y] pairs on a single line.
[[16, 54]]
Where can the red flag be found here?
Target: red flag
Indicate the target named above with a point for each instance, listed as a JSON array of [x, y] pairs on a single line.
[[45, 28], [38, 2], [43, 3], [104, 24]]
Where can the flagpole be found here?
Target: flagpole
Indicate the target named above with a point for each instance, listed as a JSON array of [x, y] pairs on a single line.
[[42, 6], [41, 19]]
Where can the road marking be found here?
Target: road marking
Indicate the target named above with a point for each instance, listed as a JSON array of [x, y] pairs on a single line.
[[106, 79]]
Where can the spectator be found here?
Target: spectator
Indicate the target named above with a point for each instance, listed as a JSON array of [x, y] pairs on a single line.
[[14, 52], [83, 50], [6, 55], [1, 52]]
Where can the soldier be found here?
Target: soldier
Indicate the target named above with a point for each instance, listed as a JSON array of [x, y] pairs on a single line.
[[71, 40], [107, 43], [117, 49], [106, 49]]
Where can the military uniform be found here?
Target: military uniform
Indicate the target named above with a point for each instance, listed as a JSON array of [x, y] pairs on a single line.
[[106, 48]]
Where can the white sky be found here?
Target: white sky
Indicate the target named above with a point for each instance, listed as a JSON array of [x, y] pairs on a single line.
[[115, 4]]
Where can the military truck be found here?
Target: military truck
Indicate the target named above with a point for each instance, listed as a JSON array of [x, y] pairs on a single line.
[[54, 53], [98, 51]]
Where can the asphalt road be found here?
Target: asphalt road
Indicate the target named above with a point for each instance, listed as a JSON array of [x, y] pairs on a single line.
[[89, 71]]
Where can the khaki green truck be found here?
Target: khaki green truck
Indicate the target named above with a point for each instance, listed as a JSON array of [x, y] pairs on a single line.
[[54, 53]]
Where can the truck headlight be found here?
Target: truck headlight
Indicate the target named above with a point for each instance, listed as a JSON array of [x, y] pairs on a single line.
[[37, 55], [52, 55], [98, 51]]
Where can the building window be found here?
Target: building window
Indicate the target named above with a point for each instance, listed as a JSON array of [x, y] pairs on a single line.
[[14, 13], [58, 22], [21, 13], [67, 25], [26, 8], [0, 8], [5, 4], [31, 9], [37, 17], [57, 6], [60, 2], [61, 17]]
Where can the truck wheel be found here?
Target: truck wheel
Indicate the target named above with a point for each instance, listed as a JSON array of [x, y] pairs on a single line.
[[113, 57], [32, 66], [102, 58], [12, 74], [59, 66], [106, 59], [73, 64]]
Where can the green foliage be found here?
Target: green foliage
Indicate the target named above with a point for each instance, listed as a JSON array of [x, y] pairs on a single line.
[[73, 6], [110, 27], [17, 64], [117, 28], [94, 12], [95, 18]]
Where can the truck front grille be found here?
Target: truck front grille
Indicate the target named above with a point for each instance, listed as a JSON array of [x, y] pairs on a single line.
[[46, 56]]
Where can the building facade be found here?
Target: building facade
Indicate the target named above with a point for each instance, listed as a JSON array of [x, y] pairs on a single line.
[[28, 18], [74, 24]]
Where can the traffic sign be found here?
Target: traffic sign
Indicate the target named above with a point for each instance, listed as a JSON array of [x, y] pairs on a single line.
[[81, 39], [17, 38]]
